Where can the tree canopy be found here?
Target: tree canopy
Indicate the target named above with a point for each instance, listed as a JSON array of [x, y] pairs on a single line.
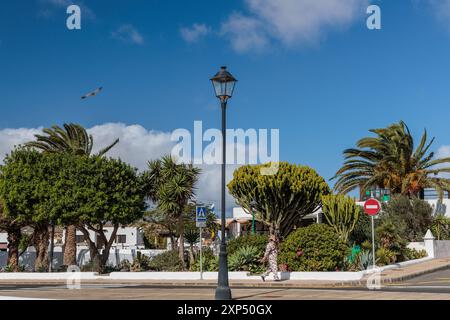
[[280, 200], [389, 160]]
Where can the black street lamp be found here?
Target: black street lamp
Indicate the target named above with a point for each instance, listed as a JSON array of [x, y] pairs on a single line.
[[223, 83]]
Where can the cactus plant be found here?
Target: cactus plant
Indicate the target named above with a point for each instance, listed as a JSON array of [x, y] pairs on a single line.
[[341, 213]]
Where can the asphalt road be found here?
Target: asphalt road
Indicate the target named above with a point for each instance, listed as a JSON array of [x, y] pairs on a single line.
[[431, 286]]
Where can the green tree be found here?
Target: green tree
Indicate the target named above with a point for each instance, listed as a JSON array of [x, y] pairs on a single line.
[[171, 185], [192, 236], [107, 191], [13, 229], [280, 200], [341, 213], [389, 160], [72, 139], [29, 183], [416, 214]]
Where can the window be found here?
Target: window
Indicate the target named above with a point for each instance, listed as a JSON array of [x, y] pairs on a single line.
[[80, 238], [121, 238]]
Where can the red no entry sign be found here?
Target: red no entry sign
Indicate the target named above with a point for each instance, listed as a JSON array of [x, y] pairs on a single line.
[[372, 207]]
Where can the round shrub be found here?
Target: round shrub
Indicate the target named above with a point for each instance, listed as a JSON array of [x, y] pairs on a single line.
[[321, 249], [166, 261]]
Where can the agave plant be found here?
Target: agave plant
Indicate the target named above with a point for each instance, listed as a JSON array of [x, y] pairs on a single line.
[[243, 258], [365, 259]]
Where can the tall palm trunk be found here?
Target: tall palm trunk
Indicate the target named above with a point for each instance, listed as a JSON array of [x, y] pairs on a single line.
[[191, 255], [70, 246], [181, 239], [14, 235], [173, 242], [40, 242]]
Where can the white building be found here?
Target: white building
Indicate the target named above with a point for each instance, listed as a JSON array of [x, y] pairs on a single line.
[[126, 238], [3, 241], [241, 222]]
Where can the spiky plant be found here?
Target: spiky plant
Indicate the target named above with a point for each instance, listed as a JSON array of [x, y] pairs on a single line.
[[341, 213]]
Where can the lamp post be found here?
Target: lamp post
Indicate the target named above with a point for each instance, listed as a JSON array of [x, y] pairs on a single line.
[[223, 83]]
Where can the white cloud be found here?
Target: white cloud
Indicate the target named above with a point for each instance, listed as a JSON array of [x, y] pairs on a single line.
[[9, 138], [245, 33], [194, 33], [442, 11], [137, 145], [291, 22], [128, 33]]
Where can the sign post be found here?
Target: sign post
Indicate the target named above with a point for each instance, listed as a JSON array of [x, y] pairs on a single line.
[[372, 207], [200, 222]]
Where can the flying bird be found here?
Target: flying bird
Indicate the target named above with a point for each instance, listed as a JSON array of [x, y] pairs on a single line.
[[92, 94]]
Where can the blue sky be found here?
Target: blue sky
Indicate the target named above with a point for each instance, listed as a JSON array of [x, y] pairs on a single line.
[[320, 76]]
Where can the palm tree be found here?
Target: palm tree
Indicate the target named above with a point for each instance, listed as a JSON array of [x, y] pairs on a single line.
[[192, 237], [171, 186], [390, 161], [72, 139]]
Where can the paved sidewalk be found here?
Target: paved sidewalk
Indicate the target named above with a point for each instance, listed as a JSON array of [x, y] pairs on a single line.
[[387, 276], [415, 270], [144, 293]]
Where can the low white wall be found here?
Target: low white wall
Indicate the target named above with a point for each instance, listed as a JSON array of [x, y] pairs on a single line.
[[326, 276], [116, 256], [441, 249], [416, 246], [48, 276]]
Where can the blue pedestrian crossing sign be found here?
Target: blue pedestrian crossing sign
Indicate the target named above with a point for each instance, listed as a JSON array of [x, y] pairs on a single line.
[[200, 217]]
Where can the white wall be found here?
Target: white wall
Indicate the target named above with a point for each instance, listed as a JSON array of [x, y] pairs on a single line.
[[116, 256], [442, 249], [134, 237], [3, 237]]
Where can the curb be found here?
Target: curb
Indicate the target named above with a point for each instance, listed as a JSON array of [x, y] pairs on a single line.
[[414, 274]]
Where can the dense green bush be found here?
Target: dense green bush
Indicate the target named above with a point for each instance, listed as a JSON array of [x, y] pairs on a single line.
[[362, 231], [416, 214], [314, 248], [140, 263], [166, 261], [390, 235], [259, 241], [210, 261], [412, 254], [385, 256]]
